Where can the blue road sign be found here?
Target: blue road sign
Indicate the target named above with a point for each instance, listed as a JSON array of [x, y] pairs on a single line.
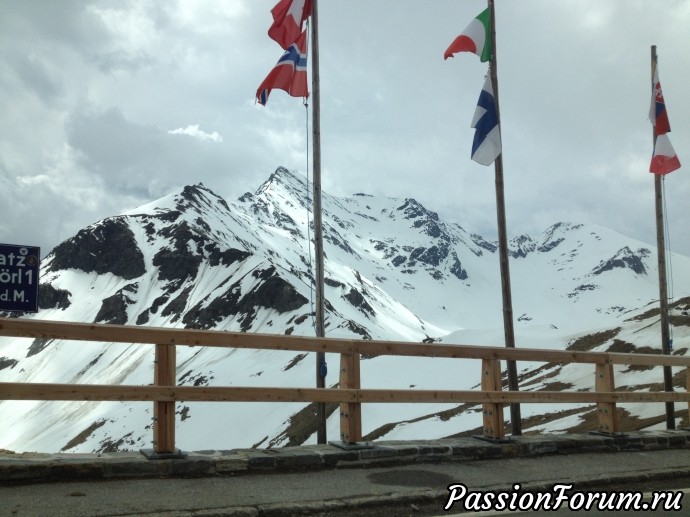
[[19, 277]]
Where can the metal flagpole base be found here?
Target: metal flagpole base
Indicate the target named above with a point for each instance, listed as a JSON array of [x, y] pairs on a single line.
[[607, 435], [153, 455], [357, 446], [492, 440]]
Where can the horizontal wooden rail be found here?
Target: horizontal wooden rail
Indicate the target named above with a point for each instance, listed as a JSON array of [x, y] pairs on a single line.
[[45, 329], [91, 392]]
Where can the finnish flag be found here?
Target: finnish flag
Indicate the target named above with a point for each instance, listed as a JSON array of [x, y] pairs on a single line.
[[487, 137]]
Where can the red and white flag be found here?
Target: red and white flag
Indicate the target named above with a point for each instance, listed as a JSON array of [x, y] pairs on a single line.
[[289, 74], [664, 159], [288, 18]]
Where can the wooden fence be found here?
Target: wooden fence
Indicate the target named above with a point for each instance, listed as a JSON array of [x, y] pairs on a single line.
[[164, 392]]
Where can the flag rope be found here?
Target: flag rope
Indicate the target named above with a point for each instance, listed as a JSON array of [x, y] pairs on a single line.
[[311, 283], [305, 101]]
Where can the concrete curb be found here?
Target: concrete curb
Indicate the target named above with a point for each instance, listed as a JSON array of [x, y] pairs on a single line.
[[36, 467]]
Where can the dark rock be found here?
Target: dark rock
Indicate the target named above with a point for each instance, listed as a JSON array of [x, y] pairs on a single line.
[[432, 256], [161, 300], [378, 245], [51, 298], [150, 230], [357, 329], [582, 288], [143, 318], [548, 246], [294, 361], [90, 364], [399, 260], [625, 258], [37, 346], [105, 247], [284, 221], [114, 308], [248, 320], [457, 269], [479, 241], [523, 246], [169, 217], [180, 262], [275, 293], [423, 218], [301, 319], [333, 283], [219, 308], [175, 265], [177, 306], [357, 299], [226, 257], [332, 237], [202, 224], [272, 293], [6, 362]]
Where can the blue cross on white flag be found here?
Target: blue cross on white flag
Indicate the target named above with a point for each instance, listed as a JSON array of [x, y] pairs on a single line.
[[487, 137]]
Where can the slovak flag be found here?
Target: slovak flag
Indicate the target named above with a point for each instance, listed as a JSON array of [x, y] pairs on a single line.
[[657, 109], [288, 18], [289, 74], [664, 159], [487, 137]]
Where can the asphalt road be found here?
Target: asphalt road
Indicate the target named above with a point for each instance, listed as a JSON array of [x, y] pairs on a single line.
[[410, 489]]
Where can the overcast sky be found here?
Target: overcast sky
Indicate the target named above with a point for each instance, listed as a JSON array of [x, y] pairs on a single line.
[[108, 104]]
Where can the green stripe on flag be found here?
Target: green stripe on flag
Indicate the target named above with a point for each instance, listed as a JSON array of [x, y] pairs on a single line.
[[485, 19]]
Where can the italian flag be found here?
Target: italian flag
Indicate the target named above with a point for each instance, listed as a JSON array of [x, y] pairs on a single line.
[[475, 38]]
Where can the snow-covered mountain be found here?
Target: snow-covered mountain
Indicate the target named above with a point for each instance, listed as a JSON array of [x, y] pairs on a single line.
[[394, 271]]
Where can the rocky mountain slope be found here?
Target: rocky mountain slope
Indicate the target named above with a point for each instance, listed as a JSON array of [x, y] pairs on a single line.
[[394, 271]]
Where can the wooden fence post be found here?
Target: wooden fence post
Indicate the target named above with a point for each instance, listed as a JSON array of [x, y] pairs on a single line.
[[164, 411], [350, 412], [606, 411], [493, 412]]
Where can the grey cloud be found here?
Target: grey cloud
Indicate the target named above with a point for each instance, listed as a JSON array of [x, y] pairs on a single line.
[[57, 22], [34, 76], [145, 160]]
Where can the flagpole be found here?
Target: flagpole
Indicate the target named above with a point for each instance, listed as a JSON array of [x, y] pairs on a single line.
[[318, 227], [663, 282], [508, 329]]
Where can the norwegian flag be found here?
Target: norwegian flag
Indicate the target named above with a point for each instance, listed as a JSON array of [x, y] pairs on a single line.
[[288, 18], [289, 74], [657, 110]]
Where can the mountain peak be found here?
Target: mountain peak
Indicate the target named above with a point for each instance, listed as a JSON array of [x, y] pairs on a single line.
[[195, 197], [521, 246], [283, 178], [625, 258], [198, 197], [423, 218]]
